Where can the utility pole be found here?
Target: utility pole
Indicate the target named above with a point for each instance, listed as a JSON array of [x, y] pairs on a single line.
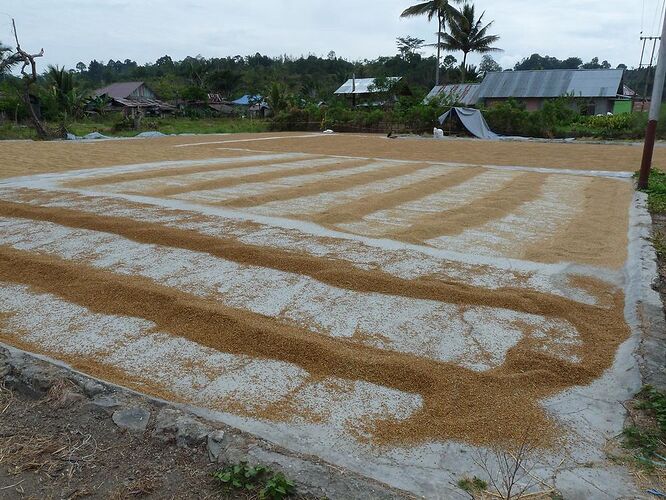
[[353, 90], [655, 108], [654, 40]]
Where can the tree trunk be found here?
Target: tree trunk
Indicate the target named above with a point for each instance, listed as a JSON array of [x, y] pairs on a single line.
[[439, 45], [28, 79], [463, 69], [37, 124]]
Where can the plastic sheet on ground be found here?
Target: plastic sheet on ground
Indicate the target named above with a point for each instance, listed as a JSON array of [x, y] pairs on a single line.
[[472, 120]]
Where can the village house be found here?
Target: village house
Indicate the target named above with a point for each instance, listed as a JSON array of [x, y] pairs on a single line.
[[132, 97], [252, 105], [594, 91], [373, 91], [458, 93]]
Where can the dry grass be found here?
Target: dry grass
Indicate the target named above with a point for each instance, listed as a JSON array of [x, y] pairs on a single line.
[[62, 394], [143, 485], [6, 397], [64, 456]]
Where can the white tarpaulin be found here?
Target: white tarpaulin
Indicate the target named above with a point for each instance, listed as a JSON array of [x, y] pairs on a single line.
[[472, 120]]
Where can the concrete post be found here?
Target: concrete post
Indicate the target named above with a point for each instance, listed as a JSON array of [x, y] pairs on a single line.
[[655, 108]]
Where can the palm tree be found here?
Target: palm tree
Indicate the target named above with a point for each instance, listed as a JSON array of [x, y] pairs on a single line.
[[70, 100], [61, 84], [468, 34], [443, 10], [7, 59]]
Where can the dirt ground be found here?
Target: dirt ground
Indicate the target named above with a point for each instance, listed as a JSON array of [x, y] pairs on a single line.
[[27, 157], [60, 446]]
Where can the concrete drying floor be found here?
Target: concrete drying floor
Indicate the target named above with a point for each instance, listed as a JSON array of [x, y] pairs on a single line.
[[393, 314]]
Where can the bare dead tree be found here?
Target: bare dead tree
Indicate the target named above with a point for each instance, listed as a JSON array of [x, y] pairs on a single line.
[[510, 472], [29, 79]]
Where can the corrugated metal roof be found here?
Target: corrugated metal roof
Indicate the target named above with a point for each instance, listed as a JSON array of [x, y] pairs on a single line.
[[552, 83], [461, 93], [363, 85], [144, 103], [120, 90]]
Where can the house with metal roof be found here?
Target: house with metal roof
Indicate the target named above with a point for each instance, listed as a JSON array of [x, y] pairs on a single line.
[[133, 96], [457, 93], [368, 90], [594, 90], [362, 86], [253, 105]]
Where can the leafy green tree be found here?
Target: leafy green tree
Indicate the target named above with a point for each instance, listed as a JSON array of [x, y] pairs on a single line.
[[595, 64], [468, 34], [489, 64], [194, 93], [536, 61], [278, 97], [468, 73], [95, 72], [223, 80], [443, 11], [408, 46], [99, 104]]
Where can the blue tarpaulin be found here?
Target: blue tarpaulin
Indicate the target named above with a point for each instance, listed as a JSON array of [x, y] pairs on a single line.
[[247, 99]]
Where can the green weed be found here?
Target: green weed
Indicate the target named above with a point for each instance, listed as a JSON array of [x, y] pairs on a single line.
[[659, 244], [654, 401], [472, 485], [648, 438], [261, 479], [277, 487], [656, 191]]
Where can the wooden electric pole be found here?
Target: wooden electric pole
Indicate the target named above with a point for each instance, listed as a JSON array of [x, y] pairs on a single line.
[[655, 108]]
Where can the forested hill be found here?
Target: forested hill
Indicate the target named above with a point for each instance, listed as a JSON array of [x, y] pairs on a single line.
[[313, 78]]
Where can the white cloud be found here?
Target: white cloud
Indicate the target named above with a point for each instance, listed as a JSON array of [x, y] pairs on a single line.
[[143, 30]]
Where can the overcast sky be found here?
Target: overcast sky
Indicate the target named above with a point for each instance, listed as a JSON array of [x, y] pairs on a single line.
[[143, 30]]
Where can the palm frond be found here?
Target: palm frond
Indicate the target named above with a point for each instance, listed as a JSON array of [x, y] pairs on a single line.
[[468, 34], [421, 9]]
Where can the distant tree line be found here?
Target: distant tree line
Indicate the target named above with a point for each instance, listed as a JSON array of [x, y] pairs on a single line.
[[306, 79]]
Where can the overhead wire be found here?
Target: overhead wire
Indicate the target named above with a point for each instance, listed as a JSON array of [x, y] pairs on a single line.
[[657, 15]]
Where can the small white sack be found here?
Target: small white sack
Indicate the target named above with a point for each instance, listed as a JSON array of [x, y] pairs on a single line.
[[438, 133]]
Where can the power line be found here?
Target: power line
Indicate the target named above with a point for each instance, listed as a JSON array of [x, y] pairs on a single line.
[[654, 18]]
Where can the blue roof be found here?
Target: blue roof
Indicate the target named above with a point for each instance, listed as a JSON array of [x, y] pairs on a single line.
[[247, 99]]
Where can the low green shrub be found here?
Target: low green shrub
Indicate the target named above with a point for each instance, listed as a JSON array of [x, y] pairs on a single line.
[[656, 191], [258, 479]]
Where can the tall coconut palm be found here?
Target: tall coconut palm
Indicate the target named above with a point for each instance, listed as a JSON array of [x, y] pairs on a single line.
[[443, 10], [468, 34]]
